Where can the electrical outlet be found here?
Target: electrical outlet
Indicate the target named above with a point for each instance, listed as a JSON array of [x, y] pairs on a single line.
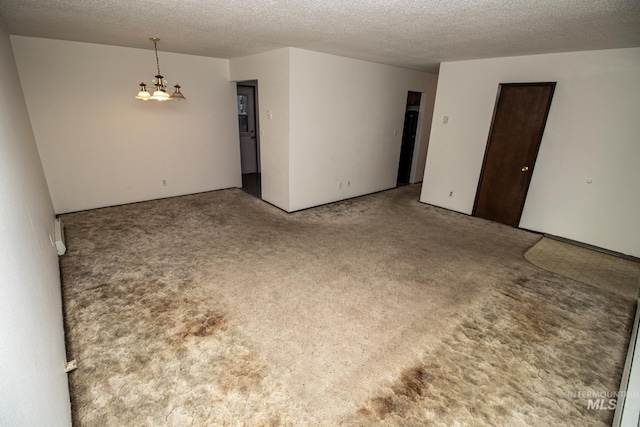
[[164, 182], [348, 183], [450, 193]]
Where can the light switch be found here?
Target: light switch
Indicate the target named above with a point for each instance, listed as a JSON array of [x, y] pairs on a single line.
[[445, 120]]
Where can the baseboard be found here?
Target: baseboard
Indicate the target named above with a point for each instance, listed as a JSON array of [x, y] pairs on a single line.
[[594, 248]]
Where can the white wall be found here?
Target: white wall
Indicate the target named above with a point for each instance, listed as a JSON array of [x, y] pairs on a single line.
[[343, 116], [333, 120], [271, 69], [100, 146], [592, 133], [33, 384]]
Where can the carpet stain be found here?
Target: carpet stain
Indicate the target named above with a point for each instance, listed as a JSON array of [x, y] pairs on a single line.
[[218, 309], [130, 367], [510, 295], [382, 406], [409, 388], [203, 325], [243, 376], [413, 383], [507, 364]]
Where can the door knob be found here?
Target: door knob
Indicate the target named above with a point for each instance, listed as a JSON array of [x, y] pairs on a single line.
[[525, 168]]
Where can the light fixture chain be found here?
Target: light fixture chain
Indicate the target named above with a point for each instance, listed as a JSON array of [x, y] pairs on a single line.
[[155, 46], [160, 94]]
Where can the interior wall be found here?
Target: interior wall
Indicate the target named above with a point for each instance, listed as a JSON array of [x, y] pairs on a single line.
[[591, 135], [271, 70], [100, 146], [346, 125], [33, 384]]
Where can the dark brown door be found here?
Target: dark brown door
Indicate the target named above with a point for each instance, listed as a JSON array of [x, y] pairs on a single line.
[[514, 138]]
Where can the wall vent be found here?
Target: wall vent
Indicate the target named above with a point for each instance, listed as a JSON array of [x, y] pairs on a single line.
[[58, 236]]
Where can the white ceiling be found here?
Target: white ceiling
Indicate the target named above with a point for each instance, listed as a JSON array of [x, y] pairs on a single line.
[[411, 34]]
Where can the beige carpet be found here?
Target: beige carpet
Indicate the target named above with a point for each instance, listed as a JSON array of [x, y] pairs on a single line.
[[219, 309], [606, 271]]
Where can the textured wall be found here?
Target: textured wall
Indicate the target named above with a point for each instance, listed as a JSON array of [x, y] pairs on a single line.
[[33, 384], [333, 121], [592, 133], [343, 116], [101, 147], [271, 69]]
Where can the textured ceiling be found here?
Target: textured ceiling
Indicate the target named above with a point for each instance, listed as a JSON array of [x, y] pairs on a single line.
[[410, 34]]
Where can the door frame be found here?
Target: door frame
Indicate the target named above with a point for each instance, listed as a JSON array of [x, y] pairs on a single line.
[[538, 137], [253, 85], [408, 147]]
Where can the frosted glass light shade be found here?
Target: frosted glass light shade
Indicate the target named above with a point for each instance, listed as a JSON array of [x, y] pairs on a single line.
[[144, 95], [160, 95], [177, 95]]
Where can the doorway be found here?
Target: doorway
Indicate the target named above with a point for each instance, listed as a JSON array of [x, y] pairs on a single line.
[[249, 140], [518, 123], [412, 111]]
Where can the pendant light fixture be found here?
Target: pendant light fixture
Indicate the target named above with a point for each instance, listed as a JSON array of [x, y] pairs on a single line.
[[160, 94]]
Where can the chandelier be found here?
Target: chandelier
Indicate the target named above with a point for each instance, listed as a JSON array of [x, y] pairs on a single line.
[[160, 94]]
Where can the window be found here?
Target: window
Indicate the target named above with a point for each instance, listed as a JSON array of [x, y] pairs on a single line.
[[243, 115]]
